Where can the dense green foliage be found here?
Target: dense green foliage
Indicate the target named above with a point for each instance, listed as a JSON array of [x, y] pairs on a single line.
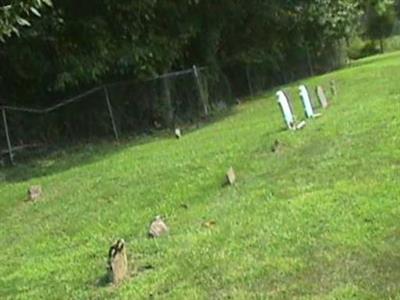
[[15, 13], [83, 43], [316, 219], [380, 17]]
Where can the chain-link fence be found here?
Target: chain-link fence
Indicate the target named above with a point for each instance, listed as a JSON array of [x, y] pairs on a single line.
[[125, 108], [115, 110]]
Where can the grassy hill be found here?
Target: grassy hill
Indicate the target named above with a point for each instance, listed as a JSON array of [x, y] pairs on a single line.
[[317, 219]]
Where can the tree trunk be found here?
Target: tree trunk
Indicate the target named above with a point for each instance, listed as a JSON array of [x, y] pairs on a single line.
[[381, 45], [309, 61]]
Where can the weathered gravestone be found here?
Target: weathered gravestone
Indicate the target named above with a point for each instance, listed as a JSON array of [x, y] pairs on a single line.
[[230, 176], [322, 97], [117, 262], [276, 146], [307, 104], [333, 88], [158, 228], [288, 112], [34, 193]]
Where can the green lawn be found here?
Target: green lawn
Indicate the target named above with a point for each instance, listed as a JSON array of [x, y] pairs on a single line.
[[318, 219]]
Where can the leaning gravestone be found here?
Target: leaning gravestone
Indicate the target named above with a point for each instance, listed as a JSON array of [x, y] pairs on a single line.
[[322, 97], [230, 176], [306, 100], [286, 109], [158, 228], [117, 262], [34, 193]]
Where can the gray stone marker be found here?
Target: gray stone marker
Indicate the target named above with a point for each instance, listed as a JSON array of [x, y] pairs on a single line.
[[322, 97], [178, 133], [117, 262], [158, 228], [230, 176], [333, 88], [34, 193]]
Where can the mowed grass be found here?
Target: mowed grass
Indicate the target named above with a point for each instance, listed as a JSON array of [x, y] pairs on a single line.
[[317, 219]]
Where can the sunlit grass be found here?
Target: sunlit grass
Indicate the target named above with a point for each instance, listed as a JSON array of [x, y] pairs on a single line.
[[316, 219]]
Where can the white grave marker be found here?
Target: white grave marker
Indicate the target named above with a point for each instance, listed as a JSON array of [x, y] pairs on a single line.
[[286, 109], [306, 100], [288, 113]]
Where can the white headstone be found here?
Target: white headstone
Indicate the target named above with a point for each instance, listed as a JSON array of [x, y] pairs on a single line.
[[283, 102], [306, 100]]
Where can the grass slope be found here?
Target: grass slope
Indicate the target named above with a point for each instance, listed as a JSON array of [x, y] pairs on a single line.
[[319, 219]]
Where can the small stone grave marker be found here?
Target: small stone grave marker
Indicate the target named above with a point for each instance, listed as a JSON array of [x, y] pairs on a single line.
[[158, 228], [209, 224], [34, 193], [276, 146], [178, 133], [231, 176], [117, 262], [322, 97], [286, 109], [333, 88]]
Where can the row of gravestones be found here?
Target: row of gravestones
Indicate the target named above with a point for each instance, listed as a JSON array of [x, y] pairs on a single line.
[[286, 106], [117, 264]]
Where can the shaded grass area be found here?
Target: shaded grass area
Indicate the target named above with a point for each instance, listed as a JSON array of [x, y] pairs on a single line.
[[317, 219]]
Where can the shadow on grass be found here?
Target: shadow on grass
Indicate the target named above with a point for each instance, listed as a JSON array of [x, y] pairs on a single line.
[[60, 158], [104, 281]]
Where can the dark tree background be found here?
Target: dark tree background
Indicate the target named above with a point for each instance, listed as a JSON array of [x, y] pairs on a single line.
[[66, 46]]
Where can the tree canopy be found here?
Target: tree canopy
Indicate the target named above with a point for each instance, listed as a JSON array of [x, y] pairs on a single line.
[[82, 43]]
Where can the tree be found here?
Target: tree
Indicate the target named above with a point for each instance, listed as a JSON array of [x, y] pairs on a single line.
[[379, 19], [16, 14]]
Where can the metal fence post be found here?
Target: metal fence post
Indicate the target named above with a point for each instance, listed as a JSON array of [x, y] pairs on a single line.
[[201, 92], [110, 111], [10, 153], [249, 81]]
